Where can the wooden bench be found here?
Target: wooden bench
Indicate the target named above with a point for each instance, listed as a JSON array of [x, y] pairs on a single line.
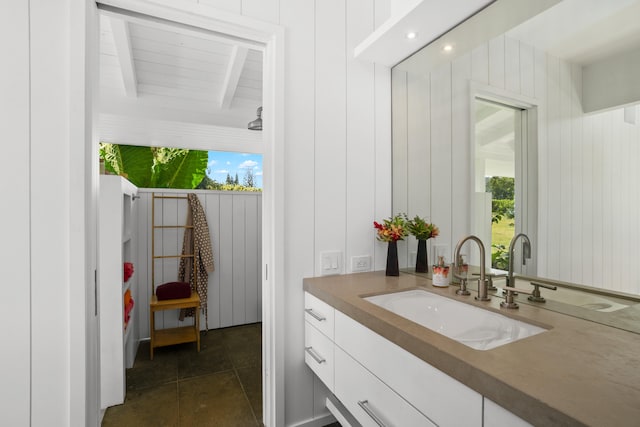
[[180, 335]]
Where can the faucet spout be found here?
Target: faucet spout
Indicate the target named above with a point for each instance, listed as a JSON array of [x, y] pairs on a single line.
[[482, 284], [526, 254]]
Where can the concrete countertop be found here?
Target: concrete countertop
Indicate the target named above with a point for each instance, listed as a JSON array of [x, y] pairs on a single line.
[[577, 373]]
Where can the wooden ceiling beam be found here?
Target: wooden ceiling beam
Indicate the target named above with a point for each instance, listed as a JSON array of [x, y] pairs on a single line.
[[232, 77], [122, 41]]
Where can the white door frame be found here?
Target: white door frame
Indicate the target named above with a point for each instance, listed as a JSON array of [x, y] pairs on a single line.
[[272, 37], [529, 128]]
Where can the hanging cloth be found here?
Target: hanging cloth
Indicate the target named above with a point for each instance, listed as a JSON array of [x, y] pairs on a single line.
[[197, 241]]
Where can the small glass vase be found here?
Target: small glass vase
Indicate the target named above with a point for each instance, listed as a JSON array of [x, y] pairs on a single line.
[[392, 259], [422, 260]]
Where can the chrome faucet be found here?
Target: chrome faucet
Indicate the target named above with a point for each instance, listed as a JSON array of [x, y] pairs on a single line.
[[526, 254], [511, 289], [482, 284]]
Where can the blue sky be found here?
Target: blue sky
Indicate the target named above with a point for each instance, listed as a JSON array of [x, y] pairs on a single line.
[[222, 163]]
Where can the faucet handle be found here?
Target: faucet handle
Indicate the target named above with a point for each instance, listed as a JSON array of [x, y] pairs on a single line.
[[489, 278], [543, 285], [511, 289], [463, 287], [535, 295], [508, 299]]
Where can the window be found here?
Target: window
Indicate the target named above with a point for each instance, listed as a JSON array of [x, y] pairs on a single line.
[[164, 167]]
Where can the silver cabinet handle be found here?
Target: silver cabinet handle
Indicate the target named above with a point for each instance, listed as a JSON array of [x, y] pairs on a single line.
[[364, 404], [315, 355], [318, 317]]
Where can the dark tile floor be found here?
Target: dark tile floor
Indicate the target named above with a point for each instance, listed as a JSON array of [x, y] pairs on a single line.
[[220, 386]]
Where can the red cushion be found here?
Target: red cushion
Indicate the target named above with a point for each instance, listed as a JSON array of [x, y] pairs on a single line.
[[173, 290]]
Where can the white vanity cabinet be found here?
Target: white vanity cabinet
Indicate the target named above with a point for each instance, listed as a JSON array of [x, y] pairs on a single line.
[[380, 383], [375, 379], [428, 389]]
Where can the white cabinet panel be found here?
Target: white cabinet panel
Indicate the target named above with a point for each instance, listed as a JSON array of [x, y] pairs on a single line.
[[318, 354], [431, 391], [368, 398], [118, 341], [496, 416], [319, 314]]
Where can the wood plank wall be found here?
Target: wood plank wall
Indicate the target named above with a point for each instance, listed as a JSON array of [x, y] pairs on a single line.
[[588, 192], [235, 226]]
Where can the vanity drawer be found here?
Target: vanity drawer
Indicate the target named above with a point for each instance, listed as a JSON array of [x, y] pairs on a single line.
[[319, 314], [368, 398], [319, 354], [430, 390]]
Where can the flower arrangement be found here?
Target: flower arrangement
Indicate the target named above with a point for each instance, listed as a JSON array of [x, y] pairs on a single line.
[[392, 229], [421, 229]]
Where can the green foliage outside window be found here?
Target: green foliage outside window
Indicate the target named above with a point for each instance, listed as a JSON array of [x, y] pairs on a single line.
[[155, 167], [501, 209], [501, 187], [162, 167], [502, 191], [500, 257]]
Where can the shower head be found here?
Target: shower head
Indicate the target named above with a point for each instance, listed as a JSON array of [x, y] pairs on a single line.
[[257, 123]]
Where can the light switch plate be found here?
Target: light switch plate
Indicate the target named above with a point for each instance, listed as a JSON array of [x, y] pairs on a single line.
[[331, 263]]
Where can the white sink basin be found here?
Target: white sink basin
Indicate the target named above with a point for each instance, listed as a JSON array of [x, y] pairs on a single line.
[[475, 327], [584, 300]]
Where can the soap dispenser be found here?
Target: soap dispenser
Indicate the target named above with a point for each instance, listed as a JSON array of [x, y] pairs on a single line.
[[440, 277]]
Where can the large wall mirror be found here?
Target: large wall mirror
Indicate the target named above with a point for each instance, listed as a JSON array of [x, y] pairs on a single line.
[[544, 107]]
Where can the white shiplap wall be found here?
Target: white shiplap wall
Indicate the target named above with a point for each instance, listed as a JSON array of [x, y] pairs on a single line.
[[337, 151], [234, 220], [16, 175], [587, 182], [56, 392]]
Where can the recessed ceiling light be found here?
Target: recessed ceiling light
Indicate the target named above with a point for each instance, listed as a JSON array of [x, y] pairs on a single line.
[[411, 35], [447, 48]]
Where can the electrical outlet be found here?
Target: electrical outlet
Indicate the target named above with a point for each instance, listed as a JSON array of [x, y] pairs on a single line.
[[361, 263]]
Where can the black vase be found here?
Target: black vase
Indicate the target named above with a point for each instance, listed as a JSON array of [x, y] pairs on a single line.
[[422, 261], [392, 259]]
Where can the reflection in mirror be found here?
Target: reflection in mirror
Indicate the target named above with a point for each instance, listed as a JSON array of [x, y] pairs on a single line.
[[499, 179], [579, 74]]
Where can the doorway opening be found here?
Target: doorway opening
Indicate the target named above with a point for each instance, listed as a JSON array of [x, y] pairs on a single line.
[[166, 101], [504, 175]]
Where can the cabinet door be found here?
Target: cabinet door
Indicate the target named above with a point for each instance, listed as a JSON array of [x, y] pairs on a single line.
[[319, 314], [319, 354], [496, 416], [434, 393], [369, 400]]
